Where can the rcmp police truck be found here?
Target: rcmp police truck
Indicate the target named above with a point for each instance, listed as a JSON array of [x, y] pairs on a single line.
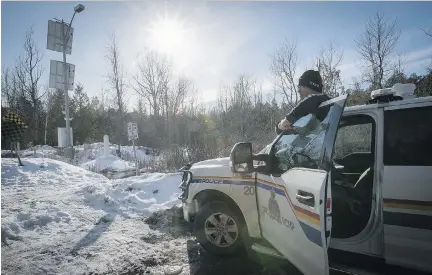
[[358, 181]]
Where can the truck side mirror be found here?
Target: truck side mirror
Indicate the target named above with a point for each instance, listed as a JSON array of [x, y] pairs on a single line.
[[241, 158]]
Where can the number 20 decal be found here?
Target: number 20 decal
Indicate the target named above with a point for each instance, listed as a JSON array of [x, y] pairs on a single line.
[[249, 190]]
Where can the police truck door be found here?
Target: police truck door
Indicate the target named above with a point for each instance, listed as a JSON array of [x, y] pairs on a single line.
[[294, 199]]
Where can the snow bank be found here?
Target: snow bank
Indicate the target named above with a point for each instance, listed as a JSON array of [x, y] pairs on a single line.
[[39, 172], [110, 163], [33, 195], [142, 154], [51, 181], [139, 195], [93, 150], [91, 156], [58, 218], [45, 148], [132, 196]]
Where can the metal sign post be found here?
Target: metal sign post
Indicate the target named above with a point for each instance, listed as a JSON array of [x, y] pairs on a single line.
[[66, 90], [133, 135], [59, 39]]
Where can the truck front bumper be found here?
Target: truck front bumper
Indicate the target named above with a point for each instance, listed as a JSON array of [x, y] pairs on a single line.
[[189, 210], [190, 207]]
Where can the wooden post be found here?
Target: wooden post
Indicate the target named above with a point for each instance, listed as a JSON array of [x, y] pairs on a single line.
[[18, 154], [136, 160]]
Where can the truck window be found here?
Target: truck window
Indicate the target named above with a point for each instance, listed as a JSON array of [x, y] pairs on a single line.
[[354, 136], [302, 149], [408, 137]]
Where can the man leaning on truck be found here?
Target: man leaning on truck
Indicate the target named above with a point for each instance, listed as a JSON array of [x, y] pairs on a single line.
[[310, 89]]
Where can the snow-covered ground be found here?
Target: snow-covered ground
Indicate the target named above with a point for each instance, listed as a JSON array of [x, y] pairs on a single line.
[[62, 219], [111, 163], [88, 152], [91, 157], [58, 218]]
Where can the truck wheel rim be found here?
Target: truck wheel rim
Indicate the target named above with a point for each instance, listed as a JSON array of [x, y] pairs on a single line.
[[221, 229]]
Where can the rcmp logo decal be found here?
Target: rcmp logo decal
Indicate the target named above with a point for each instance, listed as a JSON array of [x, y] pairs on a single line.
[[273, 212], [273, 207]]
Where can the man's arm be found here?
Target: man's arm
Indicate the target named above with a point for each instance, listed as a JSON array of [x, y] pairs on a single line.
[[309, 105]]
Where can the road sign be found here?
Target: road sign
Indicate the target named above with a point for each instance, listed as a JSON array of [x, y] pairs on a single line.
[[132, 131], [55, 37], [56, 78]]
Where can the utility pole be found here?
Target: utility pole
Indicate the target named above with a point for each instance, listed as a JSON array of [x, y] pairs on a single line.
[[53, 45], [69, 146]]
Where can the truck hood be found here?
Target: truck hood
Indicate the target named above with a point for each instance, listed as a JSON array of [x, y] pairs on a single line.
[[213, 162], [218, 167]]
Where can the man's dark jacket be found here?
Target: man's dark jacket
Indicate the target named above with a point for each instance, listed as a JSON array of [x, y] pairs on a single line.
[[309, 105]]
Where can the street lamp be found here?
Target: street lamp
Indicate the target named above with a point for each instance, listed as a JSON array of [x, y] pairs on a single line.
[[77, 9]]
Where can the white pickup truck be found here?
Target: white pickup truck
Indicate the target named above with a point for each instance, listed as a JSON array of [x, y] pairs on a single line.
[[358, 181]]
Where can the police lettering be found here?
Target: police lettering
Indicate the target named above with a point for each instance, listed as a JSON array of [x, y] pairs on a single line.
[[216, 181]]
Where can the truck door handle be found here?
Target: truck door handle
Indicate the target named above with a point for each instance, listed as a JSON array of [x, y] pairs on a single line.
[[305, 198]]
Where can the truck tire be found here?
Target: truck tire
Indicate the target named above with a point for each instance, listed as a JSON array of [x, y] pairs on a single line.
[[219, 229]]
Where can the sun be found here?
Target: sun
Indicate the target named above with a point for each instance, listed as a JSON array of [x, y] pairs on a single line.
[[167, 35]]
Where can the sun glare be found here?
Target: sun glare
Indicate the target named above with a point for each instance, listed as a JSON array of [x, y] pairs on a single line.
[[167, 35]]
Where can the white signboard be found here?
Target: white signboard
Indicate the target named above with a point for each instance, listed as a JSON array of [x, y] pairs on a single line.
[[56, 77], [132, 131], [55, 37]]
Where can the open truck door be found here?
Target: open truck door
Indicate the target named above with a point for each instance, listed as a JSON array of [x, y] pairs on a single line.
[[294, 194]]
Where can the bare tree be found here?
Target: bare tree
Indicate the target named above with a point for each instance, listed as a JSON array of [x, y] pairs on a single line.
[[47, 104], [428, 31], [178, 94], [375, 46], [327, 63], [28, 72], [398, 72], [400, 64], [140, 108], [357, 94], [257, 94], [103, 99], [283, 68], [6, 88], [116, 79], [152, 81], [242, 91], [234, 105]]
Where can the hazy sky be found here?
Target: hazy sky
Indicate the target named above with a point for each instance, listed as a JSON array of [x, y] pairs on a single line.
[[217, 40]]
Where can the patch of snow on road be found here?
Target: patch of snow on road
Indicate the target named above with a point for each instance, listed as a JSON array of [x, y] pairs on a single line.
[[36, 221]]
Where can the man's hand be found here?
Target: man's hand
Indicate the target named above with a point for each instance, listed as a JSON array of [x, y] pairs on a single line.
[[284, 125]]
